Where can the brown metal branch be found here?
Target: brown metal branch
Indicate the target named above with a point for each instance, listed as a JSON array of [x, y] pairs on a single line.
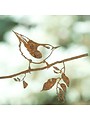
[[42, 68]]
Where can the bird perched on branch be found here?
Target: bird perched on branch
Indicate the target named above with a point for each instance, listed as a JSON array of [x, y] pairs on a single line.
[[32, 48]]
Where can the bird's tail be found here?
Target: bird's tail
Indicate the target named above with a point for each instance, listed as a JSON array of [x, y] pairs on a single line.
[[21, 37]]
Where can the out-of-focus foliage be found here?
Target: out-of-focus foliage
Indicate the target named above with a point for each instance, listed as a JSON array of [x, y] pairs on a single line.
[[71, 32], [6, 23]]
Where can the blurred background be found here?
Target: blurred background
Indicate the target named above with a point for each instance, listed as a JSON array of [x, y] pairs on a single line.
[[72, 33]]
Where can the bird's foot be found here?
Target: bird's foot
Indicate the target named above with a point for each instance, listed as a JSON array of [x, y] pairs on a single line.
[[29, 67], [46, 64]]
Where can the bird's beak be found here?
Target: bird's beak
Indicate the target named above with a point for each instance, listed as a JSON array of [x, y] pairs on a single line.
[[20, 37], [56, 47]]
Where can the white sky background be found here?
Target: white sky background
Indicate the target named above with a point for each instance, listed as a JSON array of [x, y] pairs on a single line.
[[57, 7]]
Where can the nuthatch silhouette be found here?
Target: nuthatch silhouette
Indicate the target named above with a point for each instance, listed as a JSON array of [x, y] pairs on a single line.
[[32, 47]]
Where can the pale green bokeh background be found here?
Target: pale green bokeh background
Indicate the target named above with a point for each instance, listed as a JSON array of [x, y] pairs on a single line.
[[71, 32]]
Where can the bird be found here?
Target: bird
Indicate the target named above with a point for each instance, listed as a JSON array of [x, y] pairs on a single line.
[[32, 48]]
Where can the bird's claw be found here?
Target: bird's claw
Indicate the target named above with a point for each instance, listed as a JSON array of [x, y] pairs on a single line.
[[46, 64], [30, 61]]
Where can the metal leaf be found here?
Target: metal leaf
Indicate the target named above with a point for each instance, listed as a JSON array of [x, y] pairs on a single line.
[[56, 68], [25, 84], [49, 84], [63, 86], [65, 79]]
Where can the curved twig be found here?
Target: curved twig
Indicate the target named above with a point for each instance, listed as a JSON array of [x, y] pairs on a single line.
[[42, 68]]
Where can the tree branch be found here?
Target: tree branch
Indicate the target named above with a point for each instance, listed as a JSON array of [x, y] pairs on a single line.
[[42, 68]]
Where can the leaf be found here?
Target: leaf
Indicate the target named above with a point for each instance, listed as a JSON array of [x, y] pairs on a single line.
[[55, 72], [65, 79], [55, 67], [17, 79], [49, 84], [61, 95], [25, 84], [63, 86]]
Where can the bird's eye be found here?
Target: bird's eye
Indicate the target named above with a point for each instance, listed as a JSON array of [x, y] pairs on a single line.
[[47, 46]]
